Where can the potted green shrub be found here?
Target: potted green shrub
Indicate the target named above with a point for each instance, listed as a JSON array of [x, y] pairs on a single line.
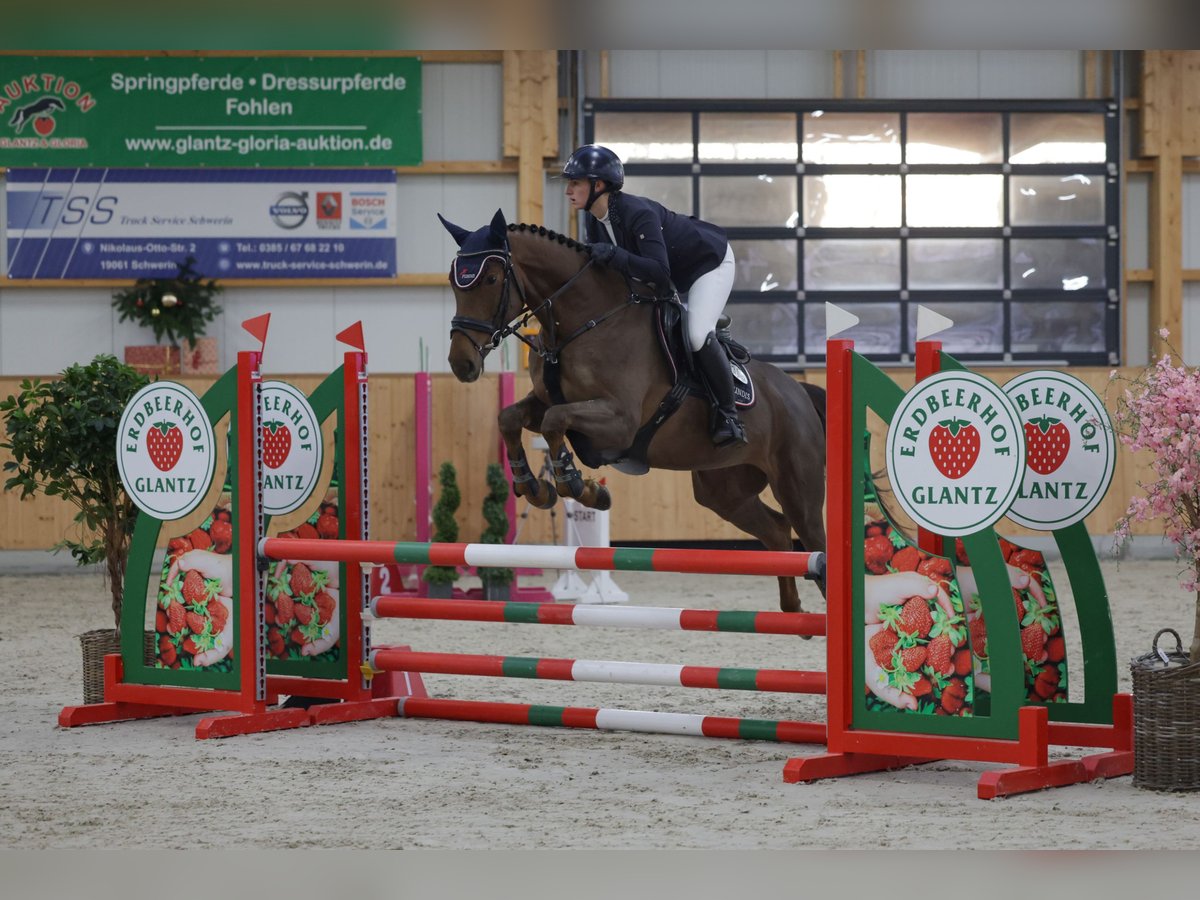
[[62, 436], [440, 580], [177, 309], [497, 582]]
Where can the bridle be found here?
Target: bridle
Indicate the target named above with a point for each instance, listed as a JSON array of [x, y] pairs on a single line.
[[548, 346], [498, 328]]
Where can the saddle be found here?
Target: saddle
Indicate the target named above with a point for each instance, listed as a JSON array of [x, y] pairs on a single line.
[[670, 321]]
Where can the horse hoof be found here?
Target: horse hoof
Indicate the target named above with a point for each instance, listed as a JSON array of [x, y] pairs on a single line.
[[546, 495], [603, 498], [542, 496]]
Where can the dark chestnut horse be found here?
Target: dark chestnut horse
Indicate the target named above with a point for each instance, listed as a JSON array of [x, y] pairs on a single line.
[[599, 373]]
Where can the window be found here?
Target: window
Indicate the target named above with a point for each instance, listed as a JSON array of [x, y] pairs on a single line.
[[1002, 216]]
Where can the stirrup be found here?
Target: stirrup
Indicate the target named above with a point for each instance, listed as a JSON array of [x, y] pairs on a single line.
[[728, 431]]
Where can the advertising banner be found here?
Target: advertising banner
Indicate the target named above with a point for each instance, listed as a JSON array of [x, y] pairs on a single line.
[[209, 111], [236, 223]]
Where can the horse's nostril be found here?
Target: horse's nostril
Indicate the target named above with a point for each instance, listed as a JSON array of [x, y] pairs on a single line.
[[464, 370]]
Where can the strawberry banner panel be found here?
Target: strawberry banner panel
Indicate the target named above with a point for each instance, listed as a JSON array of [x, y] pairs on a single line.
[[138, 223]]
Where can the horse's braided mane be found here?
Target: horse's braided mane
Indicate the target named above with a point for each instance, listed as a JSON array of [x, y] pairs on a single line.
[[543, 231]]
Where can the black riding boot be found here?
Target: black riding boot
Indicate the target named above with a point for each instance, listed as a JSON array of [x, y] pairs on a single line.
[[714, 365]]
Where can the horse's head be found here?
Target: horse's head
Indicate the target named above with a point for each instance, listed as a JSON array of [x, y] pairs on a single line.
[[482, 279]]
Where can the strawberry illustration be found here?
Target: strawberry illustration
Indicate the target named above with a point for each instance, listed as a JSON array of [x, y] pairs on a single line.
[[284, 609], [1046, 444], [1033, 643], [277, 443], [325, 607], [196, 623], [906, 559], [1056, 649], [178, 546], [912, 658], [954, 447], [200, 539], [164, 443], [962, 662], [221, 533], [304, 581], [921, 687], [953, 695], [327, 526], [1046, 683], [940, 655], [877, 553], [882, 643], [306, 531], [275, 642], [219, 613], [978, 637], [304, 613], [193, 588], [176, 617], [915, 617], [166, 651]]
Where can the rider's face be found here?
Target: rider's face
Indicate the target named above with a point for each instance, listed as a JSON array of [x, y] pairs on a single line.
[[577, 192]]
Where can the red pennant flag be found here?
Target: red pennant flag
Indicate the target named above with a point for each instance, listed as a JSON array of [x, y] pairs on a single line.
[[258, 327], [353, 336]]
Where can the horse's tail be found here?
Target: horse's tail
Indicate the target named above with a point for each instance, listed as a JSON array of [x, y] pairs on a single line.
[[817, 395]]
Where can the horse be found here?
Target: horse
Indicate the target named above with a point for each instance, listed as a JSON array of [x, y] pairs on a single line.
[[599, 373]]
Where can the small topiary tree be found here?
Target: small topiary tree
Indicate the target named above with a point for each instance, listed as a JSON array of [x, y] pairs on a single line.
[[177, 308], [496, 516], [445, 527], [62, 435]]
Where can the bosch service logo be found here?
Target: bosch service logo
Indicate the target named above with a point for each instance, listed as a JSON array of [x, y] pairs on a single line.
[[290, 209]]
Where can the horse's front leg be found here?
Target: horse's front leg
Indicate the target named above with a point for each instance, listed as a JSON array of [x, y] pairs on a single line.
[[525, 414], [606, 424]]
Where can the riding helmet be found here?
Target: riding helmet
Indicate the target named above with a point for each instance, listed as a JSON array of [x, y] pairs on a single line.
[[591, 161]]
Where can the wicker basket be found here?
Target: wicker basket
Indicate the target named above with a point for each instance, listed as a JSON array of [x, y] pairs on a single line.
[[1166, 719], [96, 645]]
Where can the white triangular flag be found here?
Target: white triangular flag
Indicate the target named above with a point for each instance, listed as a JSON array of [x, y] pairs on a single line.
[[838, 320], [930, 323]]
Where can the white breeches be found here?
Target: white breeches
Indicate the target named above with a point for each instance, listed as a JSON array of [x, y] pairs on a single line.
[[707, 299]]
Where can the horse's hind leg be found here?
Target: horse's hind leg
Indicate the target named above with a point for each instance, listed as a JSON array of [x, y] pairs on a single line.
[[733, 495], [801, 500], [526, 413]]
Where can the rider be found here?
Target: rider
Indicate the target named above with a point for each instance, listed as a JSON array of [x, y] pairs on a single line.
[[643, 239]]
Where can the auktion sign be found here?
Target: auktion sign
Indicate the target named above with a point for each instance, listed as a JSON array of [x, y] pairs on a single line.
[[228, 111]]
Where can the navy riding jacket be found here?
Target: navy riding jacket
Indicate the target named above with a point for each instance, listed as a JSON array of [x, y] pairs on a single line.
[[657, 245]]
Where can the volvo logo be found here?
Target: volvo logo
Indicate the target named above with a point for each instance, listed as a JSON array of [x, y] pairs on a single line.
[[290, 209]]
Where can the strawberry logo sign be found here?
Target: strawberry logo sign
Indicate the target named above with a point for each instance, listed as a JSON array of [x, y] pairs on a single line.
[[1047, 441], [1070, 447], [166, 453], [164, 443], [277, 443], [954, 447], [292, 448], [955, 453]]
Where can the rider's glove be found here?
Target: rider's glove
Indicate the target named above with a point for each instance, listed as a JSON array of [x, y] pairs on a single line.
[[603, 253]]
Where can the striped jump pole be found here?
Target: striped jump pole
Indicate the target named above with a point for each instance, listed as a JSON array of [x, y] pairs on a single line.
[[643, 617], [615, 559], [612, 720], [601, 671]]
